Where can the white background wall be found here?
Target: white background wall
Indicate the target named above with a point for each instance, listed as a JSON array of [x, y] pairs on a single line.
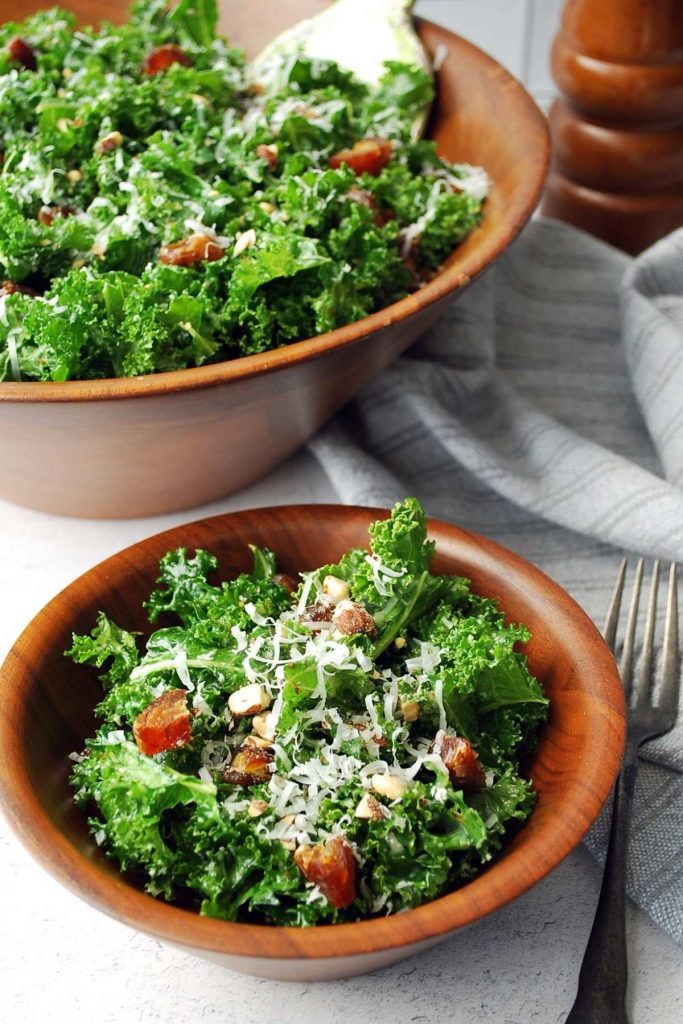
[[518, 33]]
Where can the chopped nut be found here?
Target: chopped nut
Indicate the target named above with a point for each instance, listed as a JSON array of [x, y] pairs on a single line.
[[67, 73], [251, 764], [63, 124], [46, 214], [410, 709], [399, 643], [74, 175], [257, 741], [198, 98], [248, 699], [110, 142], [264, 725], [245, 241], [78, 264], [369, 808], [256, 808], [351, 618], [285, 581], [389, 785], [269, 154], [267, 207], [335, 590], [316, 613], [289, 844]]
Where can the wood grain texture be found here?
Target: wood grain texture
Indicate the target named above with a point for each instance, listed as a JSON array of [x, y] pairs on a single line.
[[103, 449], [46, 711], [618, 128]]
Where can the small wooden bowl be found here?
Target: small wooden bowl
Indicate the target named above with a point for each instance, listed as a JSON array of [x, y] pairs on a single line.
[[148, 445], [46, 711]]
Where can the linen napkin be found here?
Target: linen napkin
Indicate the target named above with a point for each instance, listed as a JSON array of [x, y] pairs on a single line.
[[545, 409]]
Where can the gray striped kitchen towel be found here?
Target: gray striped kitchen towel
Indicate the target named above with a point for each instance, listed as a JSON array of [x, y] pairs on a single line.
[[545, 409]]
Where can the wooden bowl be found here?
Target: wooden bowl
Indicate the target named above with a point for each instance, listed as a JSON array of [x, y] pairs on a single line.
[[148, 445], [46, 707]]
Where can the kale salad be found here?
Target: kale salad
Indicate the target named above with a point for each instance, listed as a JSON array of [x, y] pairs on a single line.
[[316, 751], [159, 210]]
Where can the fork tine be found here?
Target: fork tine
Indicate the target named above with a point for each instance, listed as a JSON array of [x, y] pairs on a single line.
[[668, 699], [645, 675], [610, 628], [626, 666]]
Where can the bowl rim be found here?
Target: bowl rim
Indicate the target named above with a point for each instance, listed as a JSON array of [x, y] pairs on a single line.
[[448, 279], [507, 877]]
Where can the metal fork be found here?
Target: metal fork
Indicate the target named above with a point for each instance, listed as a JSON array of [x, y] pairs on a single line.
[[601, 997]]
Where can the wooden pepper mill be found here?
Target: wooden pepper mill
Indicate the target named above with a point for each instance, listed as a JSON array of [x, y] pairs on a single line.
[[617, 131]]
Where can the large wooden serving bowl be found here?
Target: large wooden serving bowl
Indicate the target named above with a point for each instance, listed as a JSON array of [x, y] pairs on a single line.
[[46, 707], [148, 445]]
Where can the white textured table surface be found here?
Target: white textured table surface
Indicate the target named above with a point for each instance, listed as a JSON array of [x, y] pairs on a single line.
[[63, 962]]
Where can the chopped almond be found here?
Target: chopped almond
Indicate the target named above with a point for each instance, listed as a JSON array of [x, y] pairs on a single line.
[[248, 700], [269, 154], [369, 808], [389, 785], [47, 214], [351, 618]]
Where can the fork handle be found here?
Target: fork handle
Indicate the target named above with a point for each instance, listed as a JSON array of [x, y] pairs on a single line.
[[601, 997]]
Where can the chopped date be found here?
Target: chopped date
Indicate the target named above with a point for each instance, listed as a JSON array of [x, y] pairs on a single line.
[[47, 214], [188, 251], [332, 867], [249, 766], [162, 57], [12, 287], [368, 156], [351, 618], [23, 53], [457, 754], [164, 724]]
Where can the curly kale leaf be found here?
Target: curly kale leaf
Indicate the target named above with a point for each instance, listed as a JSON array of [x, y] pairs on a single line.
[[346, 689], [185, 589], [198, 18], [133, 794], [107, 642], [401, 540], [265, 563]]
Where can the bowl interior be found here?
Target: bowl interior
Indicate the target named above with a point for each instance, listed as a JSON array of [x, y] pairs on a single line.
[[46, 711]]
